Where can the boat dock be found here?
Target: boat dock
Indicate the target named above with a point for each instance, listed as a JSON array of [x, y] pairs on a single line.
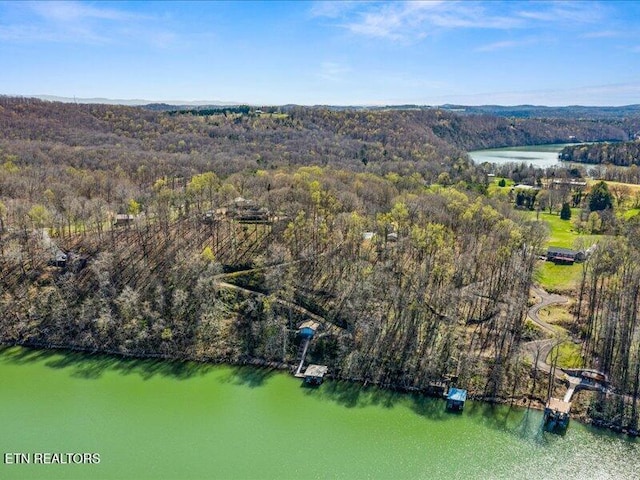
[[556, 411], [314, 374], [455, 399]]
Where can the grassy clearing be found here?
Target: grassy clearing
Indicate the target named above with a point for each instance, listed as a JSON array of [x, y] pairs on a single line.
[[568, 355], [561, 232], [494, 189], [558, 278], [273, 115], [633, 188], [631, 212], [556, 314]]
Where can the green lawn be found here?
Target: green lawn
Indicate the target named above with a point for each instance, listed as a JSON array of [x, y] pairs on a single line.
[[561, 278], [568, 356], [494, 189], [561, 232], [558, 278]]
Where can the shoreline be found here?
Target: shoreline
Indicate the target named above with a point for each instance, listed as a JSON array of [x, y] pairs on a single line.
[[521, 401]]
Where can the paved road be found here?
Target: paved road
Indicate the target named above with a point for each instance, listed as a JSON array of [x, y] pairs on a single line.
[[541, 348], [547, 299]]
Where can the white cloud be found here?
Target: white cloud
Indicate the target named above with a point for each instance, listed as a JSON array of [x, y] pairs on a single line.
[[490, 47], [69, 11], [498, 46], [333, 9], [411, 20], [565, 12], [81, 23]]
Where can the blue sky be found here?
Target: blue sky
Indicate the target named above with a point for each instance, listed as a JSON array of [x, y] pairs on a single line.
[[341, 53]]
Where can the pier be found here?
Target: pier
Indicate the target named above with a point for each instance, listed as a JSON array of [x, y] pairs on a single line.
[[314, 374], [556, 411]]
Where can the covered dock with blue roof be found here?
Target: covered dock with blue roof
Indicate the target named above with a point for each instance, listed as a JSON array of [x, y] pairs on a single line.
[[456, 398]]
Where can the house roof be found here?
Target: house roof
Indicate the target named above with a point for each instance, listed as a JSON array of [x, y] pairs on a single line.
[[561, 251]]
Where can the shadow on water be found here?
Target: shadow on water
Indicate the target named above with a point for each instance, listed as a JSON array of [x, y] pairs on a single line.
[[355, 395], [92, 366], [249, 376], [525, 424]]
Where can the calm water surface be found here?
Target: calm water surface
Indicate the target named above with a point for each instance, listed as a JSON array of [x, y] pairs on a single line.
[[541, 156], [161, 420]]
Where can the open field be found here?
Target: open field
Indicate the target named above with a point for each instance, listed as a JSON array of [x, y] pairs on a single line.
[[495, 189], [558, 278], [561, 232]]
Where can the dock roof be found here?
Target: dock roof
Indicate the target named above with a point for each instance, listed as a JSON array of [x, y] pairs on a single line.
[[316, 371], [457, 394], [558, 405]]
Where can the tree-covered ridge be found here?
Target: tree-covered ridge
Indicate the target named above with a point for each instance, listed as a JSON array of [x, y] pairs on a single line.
[[212, 235], [437, 298], [622, 154], [607, 318]]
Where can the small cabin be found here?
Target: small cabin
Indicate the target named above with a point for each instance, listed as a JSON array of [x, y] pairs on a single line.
[[123, 219], [455, 399], [392, 237], [247, 211], [58, 259], [314, 374], [564, 255], [308, 328]]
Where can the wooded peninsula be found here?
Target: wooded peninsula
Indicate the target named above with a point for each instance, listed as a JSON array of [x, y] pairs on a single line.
[[210, 234]]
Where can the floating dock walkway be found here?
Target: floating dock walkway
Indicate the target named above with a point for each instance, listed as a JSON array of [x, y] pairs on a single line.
[[314, 374]]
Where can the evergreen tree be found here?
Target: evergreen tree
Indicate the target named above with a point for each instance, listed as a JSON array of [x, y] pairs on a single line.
[[600, 197], [565, 213]]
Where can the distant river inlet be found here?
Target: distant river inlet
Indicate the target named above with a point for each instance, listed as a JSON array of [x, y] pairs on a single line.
[[168, 420], [541, 156]]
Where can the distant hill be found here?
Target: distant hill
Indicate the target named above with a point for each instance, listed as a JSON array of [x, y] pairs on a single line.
[[169, 105], [536, 111], [573, 112]]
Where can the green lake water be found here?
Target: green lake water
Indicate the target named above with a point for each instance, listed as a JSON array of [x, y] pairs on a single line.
[[162, 420]]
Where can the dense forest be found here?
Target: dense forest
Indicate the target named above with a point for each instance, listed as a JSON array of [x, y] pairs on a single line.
[[607, 319], [212, 235], [623, 154]]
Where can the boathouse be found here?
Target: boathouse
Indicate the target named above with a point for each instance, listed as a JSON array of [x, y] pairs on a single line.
[[314, 374], [455, 399]]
